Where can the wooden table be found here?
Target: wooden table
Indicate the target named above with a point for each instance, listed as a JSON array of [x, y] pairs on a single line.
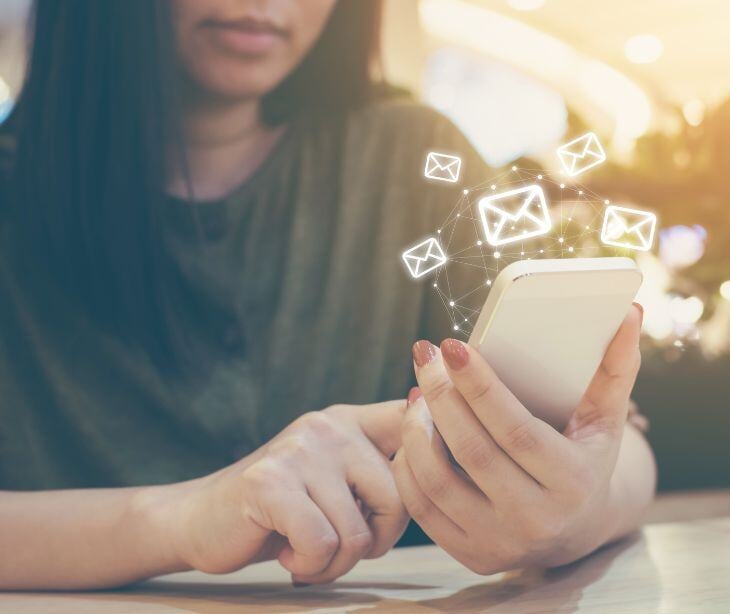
[[672, 567]]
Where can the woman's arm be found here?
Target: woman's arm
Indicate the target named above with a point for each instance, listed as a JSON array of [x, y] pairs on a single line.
[[85, 538], [292, 500], [633, 482]]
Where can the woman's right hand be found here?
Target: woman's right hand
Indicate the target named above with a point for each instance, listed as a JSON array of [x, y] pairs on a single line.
[[319, 497]]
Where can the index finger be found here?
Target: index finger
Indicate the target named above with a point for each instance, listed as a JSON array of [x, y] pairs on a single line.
[[530, 442], [381, 424]]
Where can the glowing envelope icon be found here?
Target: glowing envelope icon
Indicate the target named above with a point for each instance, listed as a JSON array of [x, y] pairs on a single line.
[[442, 167], [630, 228], [423, 258], [515, 215], [581, 154]]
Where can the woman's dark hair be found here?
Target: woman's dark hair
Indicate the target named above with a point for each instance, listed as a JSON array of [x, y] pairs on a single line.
[[93, 125]]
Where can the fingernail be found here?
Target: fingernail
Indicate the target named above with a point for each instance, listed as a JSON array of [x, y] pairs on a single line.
[[454, 353], [640, 307], [413, 395], [423, 352]]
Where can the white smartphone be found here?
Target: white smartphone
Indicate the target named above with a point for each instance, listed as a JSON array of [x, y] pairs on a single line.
[[547, 323]]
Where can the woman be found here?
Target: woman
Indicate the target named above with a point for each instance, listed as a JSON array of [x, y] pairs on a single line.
[[203, 205]]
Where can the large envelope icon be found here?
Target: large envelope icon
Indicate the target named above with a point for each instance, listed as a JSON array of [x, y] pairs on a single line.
[[515, 215], [581, 154], [442, 167], [424, 257], [631, 228]]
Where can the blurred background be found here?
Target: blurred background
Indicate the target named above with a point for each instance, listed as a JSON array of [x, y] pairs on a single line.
[[652, 79]]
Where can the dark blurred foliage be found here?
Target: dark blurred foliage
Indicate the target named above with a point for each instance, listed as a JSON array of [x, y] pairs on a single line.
[[685, 178]]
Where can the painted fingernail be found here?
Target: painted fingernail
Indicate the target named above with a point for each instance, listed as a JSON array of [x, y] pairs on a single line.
[[413, 395], [423, 352], [640, 307], [454, 353]]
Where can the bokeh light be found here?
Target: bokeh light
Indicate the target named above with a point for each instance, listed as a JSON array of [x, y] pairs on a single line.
[[461, 85], [643, 49], [610, 97], [694, 111], [682, 246], [686, 310]]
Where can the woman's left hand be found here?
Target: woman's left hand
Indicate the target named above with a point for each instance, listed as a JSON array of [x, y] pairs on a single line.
[[523, 493]]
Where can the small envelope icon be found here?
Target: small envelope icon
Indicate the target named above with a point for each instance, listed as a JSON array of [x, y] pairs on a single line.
[[515, 215], [581, 154], [423, 258], [632, 228], [442, 167]]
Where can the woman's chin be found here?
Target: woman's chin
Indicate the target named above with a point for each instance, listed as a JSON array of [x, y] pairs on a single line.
[[249, 80]]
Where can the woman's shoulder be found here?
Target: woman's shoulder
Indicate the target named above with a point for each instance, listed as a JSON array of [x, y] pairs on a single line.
[[400, 131], [397, 114]]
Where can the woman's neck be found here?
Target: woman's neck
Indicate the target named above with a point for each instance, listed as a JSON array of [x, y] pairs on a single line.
[[224, 143]]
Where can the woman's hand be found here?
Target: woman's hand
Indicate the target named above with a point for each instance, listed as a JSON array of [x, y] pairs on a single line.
[[523, 493], [319, 497]]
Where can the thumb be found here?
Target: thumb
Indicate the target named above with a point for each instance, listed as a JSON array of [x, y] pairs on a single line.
[[381, 423], [606, 402]]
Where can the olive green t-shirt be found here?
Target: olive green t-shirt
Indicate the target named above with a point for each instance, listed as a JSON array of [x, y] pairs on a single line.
[[294, 290]]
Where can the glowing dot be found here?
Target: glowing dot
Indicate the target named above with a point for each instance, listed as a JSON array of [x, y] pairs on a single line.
[[497, 254], [452, 303], [435, 285], [588, 227], [562, 185], [606, 202], [465, 320], [458, 215], [439, 231], [570, 219], [570, 249], [489, 282], [580, 192], [466, 191], [539, 176], [456, 327], [522, 253], [725, 290], [561, 239], [514, 168], [479, 242], [494, 187], [542, 251]]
